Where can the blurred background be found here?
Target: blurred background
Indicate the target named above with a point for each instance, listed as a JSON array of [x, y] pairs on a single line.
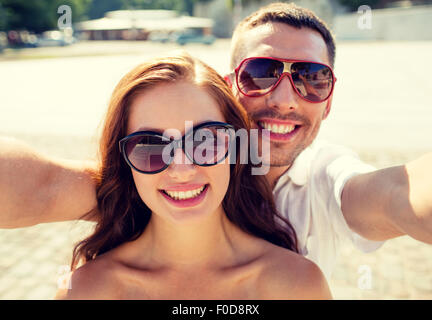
[[60, 61]]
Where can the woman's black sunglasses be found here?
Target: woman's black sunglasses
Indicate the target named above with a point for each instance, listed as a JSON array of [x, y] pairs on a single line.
[[151, 152]]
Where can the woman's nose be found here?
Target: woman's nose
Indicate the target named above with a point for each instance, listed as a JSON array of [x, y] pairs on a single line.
[[181, 167]]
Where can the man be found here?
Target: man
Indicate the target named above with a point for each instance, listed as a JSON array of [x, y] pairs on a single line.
[[326, 192]]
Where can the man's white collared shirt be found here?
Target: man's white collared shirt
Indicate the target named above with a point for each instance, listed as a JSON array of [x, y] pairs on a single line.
[[309, 195]]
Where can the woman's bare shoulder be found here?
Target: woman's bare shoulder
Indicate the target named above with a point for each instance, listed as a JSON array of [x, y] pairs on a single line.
[[287, 275], [95, 280]]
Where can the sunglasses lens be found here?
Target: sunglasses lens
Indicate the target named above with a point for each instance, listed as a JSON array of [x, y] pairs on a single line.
[[146, 152], [257, 76], [210, 145], [313, 81]]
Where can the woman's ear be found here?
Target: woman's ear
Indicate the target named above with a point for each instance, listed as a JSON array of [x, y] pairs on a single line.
[[227, 79]]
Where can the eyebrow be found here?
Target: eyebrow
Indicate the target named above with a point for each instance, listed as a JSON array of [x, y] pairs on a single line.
[[148, 129], [158, 130]]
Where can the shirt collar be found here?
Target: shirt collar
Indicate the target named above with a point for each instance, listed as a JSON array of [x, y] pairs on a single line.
[[299, 171]]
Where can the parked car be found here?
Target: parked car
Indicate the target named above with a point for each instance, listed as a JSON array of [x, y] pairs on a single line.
[[190, 36], [21, 39], [54, 39], [162, 37]]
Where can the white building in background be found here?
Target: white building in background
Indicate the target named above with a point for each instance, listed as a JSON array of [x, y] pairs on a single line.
[[407, 22], [413, 23], [139, 24], [226, 18]]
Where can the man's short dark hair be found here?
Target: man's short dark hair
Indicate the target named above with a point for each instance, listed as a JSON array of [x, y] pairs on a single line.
[[287, 13]]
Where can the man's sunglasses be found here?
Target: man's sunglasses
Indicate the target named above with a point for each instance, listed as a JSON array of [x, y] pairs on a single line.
[[151, 152], [257, 76]]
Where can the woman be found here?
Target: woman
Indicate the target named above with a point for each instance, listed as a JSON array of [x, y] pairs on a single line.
[[179, 223]]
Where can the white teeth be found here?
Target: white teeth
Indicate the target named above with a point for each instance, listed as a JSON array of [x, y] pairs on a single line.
[[283, 129], [182, 195]]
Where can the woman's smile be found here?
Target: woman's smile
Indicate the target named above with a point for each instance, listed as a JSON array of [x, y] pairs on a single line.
[[184, 196]]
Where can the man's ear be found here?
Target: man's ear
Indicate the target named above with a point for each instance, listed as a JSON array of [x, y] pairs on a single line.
[[328, 107]]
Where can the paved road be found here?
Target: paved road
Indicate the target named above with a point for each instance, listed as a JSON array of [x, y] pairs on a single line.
[[381, 109]]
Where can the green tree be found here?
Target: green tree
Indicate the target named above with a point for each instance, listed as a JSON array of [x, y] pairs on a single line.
[[177, 5], [230, 3], [353, 5], [98, 8], [3, 18], [38, 16], [41, 15]]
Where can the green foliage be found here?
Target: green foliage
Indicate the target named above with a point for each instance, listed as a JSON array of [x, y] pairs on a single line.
[[353, 5], [178, 5], [230, 3], [97, 8], [37, 16], [41, 15]]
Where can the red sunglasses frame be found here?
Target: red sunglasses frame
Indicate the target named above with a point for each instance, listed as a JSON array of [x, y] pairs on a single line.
[[284, 73]]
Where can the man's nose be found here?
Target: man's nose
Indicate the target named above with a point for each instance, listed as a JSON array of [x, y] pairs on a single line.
[[284, 96], [181, 167]]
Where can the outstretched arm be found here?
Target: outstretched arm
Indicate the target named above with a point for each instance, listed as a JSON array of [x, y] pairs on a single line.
[[391, 202], [35, 189]]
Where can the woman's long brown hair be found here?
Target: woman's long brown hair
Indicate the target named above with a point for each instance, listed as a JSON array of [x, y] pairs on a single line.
[[123, 216]]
